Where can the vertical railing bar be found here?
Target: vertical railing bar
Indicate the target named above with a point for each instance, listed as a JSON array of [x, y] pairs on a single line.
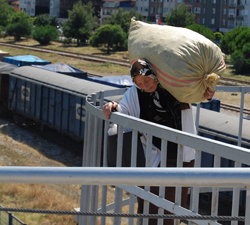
[[241, 115], [84, 164], [148, 164], [197, 118], [100, 132], [215, 190], [162, 188], [94, 188], [236, 199], [132, 197], [88, 159], [118, 191], [195, 191], [178, 190], [105, 164], [247, 210]]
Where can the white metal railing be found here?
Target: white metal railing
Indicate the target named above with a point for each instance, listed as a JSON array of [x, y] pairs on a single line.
[[93, 150]]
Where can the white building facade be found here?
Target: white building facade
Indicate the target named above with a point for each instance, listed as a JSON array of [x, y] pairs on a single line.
[[29, 6]]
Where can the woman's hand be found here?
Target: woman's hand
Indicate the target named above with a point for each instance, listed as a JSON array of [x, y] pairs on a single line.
[[209, 94], [107, 109]]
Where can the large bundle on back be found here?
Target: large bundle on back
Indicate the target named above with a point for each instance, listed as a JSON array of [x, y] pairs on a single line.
[[186, 63]]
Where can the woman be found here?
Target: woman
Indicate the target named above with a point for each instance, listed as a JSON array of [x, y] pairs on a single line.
[[149, 101]]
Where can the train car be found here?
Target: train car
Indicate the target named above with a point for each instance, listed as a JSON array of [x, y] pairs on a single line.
[[5, 69], [47, 98], [222, 127]]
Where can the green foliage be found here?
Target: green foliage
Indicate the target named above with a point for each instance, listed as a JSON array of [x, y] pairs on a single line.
[[241, 60], [110, 35], [6, 11], [218, 36], [123, 18], [234, 40], [46, 19], [180, 17], [20, 25], [67, 41], [80, 22], [45, 34], [201, 29]]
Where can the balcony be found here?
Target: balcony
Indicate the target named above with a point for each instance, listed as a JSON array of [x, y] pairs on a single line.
[[240, 6], [240, 17], [232, 5]]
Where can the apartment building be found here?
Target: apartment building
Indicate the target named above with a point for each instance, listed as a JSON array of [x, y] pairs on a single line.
[[29, 6], [54, 8], [66, 5], [112, 6], [219, 15]]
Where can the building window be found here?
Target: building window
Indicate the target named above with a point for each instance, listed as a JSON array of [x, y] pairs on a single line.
[[159, 0], [214, 1], [212, 21], [247, 2], [213, 11], [166, 0], [204, 10], [203, 21], [32, 10], [141, 9], [224, 11], [160, 10], [246, 12], [145, 9], [224, 22], [197, 10], [165, 10], [179, 1], [152, 10], [225, 1]]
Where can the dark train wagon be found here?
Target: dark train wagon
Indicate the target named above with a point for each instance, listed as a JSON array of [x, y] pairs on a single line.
[[5, 69], [51, 99]]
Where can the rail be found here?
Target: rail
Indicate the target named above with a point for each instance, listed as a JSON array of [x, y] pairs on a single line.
[[7, 218], [93, 152]]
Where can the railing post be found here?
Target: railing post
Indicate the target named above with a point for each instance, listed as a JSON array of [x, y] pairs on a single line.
[[247, 213], [10, 219]]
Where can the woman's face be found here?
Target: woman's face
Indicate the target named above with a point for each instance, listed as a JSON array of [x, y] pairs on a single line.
[[145, 83]]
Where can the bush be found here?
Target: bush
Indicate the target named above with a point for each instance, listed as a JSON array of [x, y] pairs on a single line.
[[45, 34], [241, 60], [67, 41]]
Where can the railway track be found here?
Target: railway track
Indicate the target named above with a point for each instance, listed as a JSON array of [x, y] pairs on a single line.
[[223, 80], [234, 108], [70, 54]]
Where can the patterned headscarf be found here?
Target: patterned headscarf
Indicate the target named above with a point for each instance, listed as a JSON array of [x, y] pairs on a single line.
[[142, 67]]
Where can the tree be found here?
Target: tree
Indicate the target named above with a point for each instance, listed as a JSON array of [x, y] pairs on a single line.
[[241, 60], [6, 12], [20, 25], [233, 40], [46, 19], [201, 29], [45, 34], [108, 34], [180, 17], [80, 22], [123, 18]]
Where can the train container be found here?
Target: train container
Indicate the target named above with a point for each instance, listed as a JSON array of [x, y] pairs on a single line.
[[51, 99], [5, 69], [25, 60]]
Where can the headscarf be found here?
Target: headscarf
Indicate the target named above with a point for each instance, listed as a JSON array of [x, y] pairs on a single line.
[[144, 68]]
